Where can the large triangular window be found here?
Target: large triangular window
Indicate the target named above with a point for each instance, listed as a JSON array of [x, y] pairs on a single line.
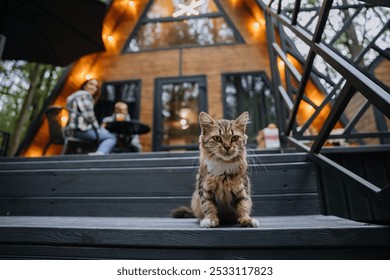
[[182, 23]]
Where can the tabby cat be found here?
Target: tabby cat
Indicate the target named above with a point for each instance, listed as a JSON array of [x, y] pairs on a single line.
[[222, 193]]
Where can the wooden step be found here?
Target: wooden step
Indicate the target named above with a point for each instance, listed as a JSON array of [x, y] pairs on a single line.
[[284, 188], [286, 237], [146, 160], [112, 156], [263, 205], [271, 178]]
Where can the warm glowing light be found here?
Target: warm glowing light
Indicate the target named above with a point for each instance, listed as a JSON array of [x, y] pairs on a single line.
[[110, 38], [184, 124], [185, 113], [256, 25], [64, 119], [34, 151], [88, 76], [132, 7], [234, 2]]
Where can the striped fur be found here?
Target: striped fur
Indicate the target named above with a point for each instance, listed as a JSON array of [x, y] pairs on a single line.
[[222, 193]]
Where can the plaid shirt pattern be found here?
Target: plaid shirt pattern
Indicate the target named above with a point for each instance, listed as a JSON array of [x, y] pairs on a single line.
[[81, 113]]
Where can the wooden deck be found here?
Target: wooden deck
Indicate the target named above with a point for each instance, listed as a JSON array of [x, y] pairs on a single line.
[[117, 207], [279, 237], [126, 186]]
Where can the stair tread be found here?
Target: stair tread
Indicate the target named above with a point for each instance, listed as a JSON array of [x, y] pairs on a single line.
[[130, 161], [112, 156], [257, 167], [275, 231]]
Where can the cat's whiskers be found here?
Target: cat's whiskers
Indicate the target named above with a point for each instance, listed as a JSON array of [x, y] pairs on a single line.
[[251, 163], [253, 158], [196, 158], [211, 160]]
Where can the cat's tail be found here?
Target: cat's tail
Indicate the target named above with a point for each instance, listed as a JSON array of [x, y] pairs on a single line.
[[182, 212]]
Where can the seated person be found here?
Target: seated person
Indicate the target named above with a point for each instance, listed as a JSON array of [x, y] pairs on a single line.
[[121, 113], [82, 121]]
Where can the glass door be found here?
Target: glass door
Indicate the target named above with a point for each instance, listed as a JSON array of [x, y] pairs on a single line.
[[113, 92], [178, 102], [249, 92]]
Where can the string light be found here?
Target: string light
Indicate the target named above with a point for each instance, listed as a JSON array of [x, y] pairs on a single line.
[[88, 76], [131, 3], [234, 2], [110, 38]]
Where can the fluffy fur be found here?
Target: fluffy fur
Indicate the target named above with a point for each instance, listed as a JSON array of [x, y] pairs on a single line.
[[222, 193]]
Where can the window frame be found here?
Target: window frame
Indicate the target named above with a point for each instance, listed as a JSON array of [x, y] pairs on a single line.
[[266, 80], [157, 119], [138, 82], [144, 20]]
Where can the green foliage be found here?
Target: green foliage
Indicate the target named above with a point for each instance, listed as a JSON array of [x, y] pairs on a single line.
[[17, 111]]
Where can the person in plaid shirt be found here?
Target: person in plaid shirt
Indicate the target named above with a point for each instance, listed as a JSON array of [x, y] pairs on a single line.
[[82, 121]]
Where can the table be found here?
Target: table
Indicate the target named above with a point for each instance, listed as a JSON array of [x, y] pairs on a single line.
[[126, 131]]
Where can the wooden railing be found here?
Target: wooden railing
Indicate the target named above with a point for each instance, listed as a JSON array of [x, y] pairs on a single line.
[[293, 26]]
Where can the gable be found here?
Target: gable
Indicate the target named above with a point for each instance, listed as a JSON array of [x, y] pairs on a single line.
[[182, 23]]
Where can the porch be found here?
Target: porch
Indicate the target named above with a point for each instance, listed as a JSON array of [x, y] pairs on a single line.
[[314, 199], [118, 206]]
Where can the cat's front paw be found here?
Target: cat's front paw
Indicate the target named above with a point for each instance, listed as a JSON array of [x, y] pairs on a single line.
[[209, 223], [248, 222]]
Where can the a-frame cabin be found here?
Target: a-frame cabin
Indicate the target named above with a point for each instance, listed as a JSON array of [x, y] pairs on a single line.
[[324, 194], [143, 58]]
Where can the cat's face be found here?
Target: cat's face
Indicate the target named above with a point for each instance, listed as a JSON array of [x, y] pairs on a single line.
[[223, 139]]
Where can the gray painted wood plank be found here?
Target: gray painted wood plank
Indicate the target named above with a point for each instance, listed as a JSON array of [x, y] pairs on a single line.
[[167, 154], [297, 178], [101, 162], [275, 232], [265, 205], [18, 251]]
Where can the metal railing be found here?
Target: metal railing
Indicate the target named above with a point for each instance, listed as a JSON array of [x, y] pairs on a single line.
[[341, 73]]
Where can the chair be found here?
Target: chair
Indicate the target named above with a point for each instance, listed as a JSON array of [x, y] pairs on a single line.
[[54, 114]]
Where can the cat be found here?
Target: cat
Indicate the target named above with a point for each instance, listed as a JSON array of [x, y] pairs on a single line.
[[222, 192]]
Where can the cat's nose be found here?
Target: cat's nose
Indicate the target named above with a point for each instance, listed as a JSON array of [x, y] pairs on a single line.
[[227, 147]]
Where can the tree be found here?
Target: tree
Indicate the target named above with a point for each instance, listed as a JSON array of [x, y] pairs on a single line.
[[23, 89]]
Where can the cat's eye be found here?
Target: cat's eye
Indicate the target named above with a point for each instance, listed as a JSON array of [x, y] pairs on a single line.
[[217, 138], [235, 138]]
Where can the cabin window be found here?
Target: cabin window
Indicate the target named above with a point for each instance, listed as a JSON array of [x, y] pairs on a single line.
[[160, 28], [112, 92], [178, 102], [249, 92]]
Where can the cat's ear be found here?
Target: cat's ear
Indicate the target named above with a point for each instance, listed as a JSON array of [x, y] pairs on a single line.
[[205, 121], [243, 120]]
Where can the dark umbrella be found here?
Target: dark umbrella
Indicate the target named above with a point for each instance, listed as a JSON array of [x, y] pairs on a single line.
[[51, 31]]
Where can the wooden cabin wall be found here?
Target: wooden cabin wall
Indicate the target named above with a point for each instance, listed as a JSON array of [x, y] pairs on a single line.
[[147, 66], [367, 122], [382, 74]]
